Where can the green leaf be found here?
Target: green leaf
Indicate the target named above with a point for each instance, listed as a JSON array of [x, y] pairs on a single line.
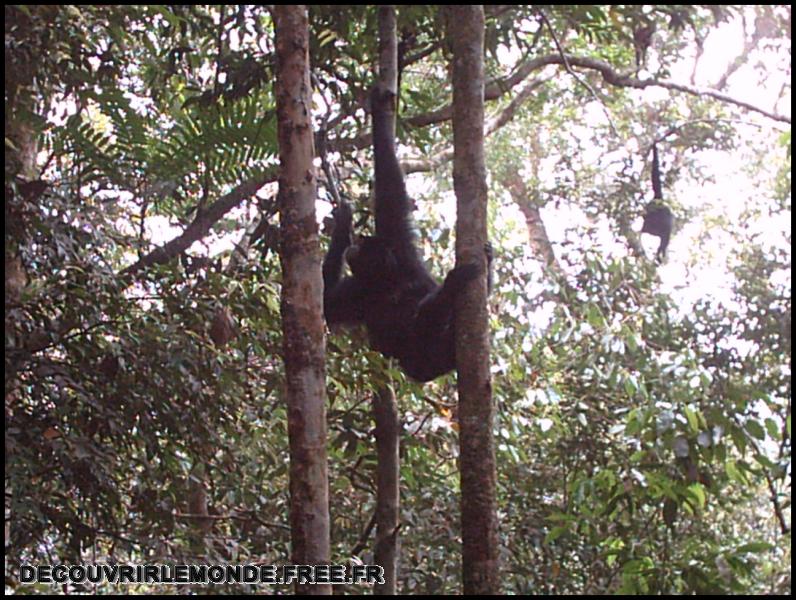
[[697, 493], [754, 547], [755, 429], [556, 533], [691, 416], [731, 468], [772, 428]]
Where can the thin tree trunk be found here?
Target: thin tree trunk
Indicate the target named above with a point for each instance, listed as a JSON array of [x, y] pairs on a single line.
[[385, 408], [304, 343], [477, 452], [388, 430]]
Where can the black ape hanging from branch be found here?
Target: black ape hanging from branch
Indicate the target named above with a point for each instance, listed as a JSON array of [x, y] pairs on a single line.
[[408, 315], [658, 220]]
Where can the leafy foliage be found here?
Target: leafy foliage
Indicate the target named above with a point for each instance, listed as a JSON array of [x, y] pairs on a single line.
[[643, 428]]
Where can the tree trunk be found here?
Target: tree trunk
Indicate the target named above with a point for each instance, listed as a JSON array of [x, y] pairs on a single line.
[[385, 408], [388, 431], [302, 297], [477, 452]]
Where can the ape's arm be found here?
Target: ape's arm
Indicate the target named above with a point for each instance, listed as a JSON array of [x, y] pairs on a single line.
[[656, 174], [393, 206], [341, 240], [342, 296]]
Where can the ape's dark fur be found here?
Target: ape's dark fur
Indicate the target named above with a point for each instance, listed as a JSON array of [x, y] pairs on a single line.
[[658, 219], [408, 315]]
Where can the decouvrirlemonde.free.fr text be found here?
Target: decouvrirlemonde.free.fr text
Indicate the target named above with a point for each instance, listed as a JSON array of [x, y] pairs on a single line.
[[202, 574]]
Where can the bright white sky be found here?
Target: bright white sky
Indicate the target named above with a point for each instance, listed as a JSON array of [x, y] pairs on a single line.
[[727, 195]]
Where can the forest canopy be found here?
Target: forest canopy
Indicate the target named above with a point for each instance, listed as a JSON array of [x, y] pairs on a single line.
[[642, 406]]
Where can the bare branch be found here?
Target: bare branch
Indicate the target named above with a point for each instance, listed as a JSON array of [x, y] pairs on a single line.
[[569, 69], [418, 165], [200, 226], [498, 88]]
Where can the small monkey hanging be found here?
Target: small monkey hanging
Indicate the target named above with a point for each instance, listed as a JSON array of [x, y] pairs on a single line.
[[658, 219]]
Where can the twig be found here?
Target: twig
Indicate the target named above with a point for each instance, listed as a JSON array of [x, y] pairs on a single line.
[[569, 69]]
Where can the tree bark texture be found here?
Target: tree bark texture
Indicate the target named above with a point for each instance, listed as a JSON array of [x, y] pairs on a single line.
[[385, 408], [477, 453], [388, 431], [302, 297]]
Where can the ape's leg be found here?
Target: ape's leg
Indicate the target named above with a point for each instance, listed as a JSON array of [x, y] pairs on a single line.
[[436, 309], [435, 345], [661, 253], [435, 360], [343, 304]]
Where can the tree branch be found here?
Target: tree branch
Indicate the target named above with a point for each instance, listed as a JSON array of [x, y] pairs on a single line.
[[498, 88], [419, 165], [202, 224], [493, 90]]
